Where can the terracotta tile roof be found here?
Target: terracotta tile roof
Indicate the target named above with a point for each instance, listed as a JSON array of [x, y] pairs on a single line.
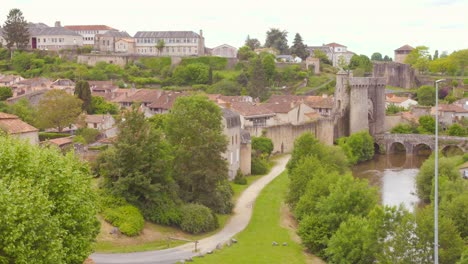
[[396, 99], [251, 109], [450, 108], [405, 48], [319, 101], [166, 100], [13, 125], [334, 44], [61, 141], [102, 86], [88, 27], [313, 115], [36, 81], [140, 95], [95, 118], [280, 107]]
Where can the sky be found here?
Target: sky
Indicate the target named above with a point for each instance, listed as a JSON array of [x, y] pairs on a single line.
[[364, 26]]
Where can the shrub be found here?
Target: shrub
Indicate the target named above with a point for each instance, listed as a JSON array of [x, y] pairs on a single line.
[[89, 134], [262, 146], [165, 212], [216, 63], [259, 166], [240, 178], [404, 129], [358, 147], [393, 109], [197, 219], [5, 93], [127, 218]]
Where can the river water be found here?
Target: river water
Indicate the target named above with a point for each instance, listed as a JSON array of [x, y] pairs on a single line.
[[395, 177]]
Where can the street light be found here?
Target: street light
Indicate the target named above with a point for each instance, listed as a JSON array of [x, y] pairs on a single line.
[[436, 175]]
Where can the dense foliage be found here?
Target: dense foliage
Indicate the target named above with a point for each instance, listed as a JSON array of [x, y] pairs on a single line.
[[197, 218], [5, 93], [194, 129], [358, 147], [58, 109], [127, 218], [48, 207]]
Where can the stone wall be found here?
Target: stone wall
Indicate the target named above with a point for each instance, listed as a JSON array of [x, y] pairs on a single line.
[[396, 74], [392, 120], [245, 159], [283, 136], [92, 59]]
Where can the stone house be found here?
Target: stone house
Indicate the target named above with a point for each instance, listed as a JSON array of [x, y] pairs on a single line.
[[89, 32], [289, 112], [32, 97], [320, 104], [143, 96], [10, 80], [254, 117], [225, 51], [232, 131], [31, 85], [66, 85], [450, 114], [125, 45], [399, 101], [55, 38], [164, 103], [12, 125], [462, 103], [106, 42], [402, 52], [104, 123], [176, 43]]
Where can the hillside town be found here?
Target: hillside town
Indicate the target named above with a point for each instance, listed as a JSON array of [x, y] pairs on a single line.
[[167, 140]]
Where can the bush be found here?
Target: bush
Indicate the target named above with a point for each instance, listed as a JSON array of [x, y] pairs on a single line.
[[259, 166], [404, 129], [197, 219], [216, 63], [127, 218], [358, 147], [393, 109], [262, 146], [51, 135], [5, 93], [164, 212], [221, 200], [240, 178], [89, 134]]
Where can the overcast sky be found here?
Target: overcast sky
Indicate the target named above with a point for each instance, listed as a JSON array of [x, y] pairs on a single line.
[[364, 26]]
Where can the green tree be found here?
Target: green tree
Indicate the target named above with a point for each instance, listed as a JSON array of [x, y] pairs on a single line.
[[268, 62], [138, 166], [461, 59], [196, 73], [24, 111], [195, 131], [58, 109], [262, 146], [436, 55], [227, 87], [322, 56], [387, 58], [457, 130], [426, 95], [5, 93], [277, 39], [257, 86], [83, 92], [426, 125], [101, 106], [425, 177], [298, 48], [160, 46], [245, 53], [419, 58], [15, 31], [47, 204], [376, 56], [358, 147], [404, 129], [253, 43]]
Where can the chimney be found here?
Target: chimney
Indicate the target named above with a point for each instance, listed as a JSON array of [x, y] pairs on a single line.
[[201, 33], [57, 24]]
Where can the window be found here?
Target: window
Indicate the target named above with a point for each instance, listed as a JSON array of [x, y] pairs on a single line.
[[232, 158], [232, 139], [259, 122], [44, 40], [38, 40], [238, 155]]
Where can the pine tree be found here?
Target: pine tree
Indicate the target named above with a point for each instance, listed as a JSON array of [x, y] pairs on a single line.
[[15, 30], [298, 48]]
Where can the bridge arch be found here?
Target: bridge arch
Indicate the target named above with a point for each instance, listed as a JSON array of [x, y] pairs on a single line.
[[397, 147], [422, 149], [451, 150]]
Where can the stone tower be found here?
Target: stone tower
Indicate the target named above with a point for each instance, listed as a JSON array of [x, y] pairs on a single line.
[[359, 104]]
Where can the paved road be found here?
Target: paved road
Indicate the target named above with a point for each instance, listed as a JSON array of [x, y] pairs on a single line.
[[238, 222]]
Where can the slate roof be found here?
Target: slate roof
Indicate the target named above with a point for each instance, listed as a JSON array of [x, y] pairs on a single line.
[[166, 34], [88, 27], [54, 31], [405, 48], [116, 34], [232, 118], [13, 125]]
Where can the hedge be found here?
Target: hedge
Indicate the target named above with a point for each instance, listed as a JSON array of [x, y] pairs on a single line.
[[259, 166], [51, 135], [216, 63]]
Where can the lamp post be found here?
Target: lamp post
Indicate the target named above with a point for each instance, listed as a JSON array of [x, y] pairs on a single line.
[[436, 175]]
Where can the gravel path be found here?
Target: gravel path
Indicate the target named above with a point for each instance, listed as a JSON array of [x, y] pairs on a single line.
[[238, 222]]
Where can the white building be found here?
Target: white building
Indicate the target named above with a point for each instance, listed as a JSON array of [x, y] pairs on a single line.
[[89, 32], [225, 51], [335, 52], [176, 43], [399, 101]]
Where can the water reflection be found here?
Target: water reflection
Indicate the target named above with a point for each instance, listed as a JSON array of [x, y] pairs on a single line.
[[394, 175]]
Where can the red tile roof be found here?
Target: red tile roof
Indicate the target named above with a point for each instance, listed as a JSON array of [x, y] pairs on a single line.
[[13, 125], [88, 27], [452, 108], [166, 100], [140, 95], [405, 48], [61, 141], [396, 99], [251, 109]]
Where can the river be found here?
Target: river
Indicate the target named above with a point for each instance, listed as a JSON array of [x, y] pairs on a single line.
[[394, 175]]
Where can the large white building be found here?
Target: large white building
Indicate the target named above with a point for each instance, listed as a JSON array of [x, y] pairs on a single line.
[[176, 43], [89, 32], [334, 51]]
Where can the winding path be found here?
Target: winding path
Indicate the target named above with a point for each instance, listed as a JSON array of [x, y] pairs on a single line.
[[238, 222]]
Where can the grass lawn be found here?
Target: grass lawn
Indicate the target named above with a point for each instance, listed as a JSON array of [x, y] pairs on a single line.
[[255, 242]]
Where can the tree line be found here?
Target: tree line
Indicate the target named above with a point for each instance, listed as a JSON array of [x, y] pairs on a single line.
[[340, 218]]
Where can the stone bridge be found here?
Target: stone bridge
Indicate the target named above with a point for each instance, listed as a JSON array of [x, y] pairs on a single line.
[[413, 143]]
